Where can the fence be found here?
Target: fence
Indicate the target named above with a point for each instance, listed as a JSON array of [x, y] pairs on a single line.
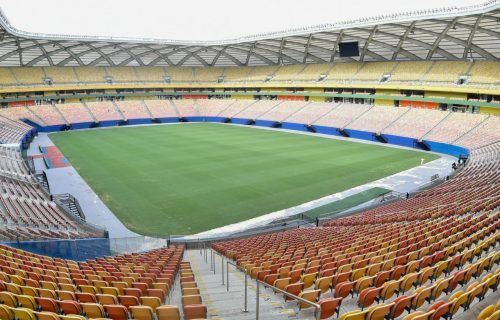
[[83, 249]]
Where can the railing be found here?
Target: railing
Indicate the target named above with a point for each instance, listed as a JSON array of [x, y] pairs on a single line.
[[259, 283]]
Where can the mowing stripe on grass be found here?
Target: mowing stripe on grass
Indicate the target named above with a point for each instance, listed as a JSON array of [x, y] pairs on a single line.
[[187, 178]]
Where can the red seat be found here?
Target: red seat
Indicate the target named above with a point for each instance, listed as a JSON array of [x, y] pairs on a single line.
[[329, 307], [195, 311], [70, 307], [129, 301], [47, 304], [86, 297], [116, 312], [133, 292]]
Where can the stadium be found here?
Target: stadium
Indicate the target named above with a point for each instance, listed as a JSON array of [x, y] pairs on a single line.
[[346, 170]]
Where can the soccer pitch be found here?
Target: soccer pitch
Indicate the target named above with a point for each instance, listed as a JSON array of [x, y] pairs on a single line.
[[188, 178]]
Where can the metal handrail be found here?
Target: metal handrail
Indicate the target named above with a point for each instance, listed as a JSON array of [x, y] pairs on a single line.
[[245, 307], [294, 297]]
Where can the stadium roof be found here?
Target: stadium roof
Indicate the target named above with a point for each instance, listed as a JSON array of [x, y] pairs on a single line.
[[449, 33]]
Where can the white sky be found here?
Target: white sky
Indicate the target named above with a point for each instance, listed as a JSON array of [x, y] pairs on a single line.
[[206, 20]]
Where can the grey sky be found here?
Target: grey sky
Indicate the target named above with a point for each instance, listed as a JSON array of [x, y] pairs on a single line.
[[196, 19]]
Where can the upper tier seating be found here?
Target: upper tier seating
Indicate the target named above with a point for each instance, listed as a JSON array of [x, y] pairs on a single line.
[[259, 74], [311, 113], [75, 112], [377, 118], [207, 74], [416, 123], [454, 126], [91, 74], [133, 109], [178, 74], [122, 74], [61, 75], [237, 74], [104, 111], [287, 73], [29, 76], [410, 71], [7, 77], [446, 71], [343, 71], [312, 72], [440, 73], [342, 115], [485, 72], [151, 74], [374, 71], [161, 109]]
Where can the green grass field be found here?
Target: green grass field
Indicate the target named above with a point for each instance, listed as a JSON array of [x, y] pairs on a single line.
[[182, 179]]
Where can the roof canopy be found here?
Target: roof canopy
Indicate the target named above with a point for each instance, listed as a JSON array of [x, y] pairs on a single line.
[[445, 34]]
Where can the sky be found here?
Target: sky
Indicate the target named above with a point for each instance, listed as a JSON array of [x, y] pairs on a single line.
[[190, 20]]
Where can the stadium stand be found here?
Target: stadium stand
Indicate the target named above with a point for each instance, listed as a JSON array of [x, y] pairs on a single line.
[[74, 112], [287, 73], [446, 71], [180, 74], [150, 74], [259, 74], [133, 109], [374, 71], [28, 76], [213, 107], [120, 287], [454, 126], [486, 133], [410, 70], [91, 74], [343, 115], [49, 114], [122, 74], [61, 75], [311, 113], [237, 74], [377, 118], [283, 111], [257, 109], [186, 108], [207, 74], [236, 107], [343, 71], [312, 72], [484, 72], [161, 108], [7, 77], [410, 255], [416, 123], [104, 110]]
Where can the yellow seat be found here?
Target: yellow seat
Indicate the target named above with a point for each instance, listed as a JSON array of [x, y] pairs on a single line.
[[24, 314], [419, 315], [27, 302], [308, 279], [8, 298], [190, 291], [72, 317], [282, 283], [168, 313], [323, 284], [486, 313], [354, 315], [142, 313], [110, 290], [6, 312], [312, 295], [191, 299], [45, 316], [153, 302], [379, 312], [106, 299], [93, 310]]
